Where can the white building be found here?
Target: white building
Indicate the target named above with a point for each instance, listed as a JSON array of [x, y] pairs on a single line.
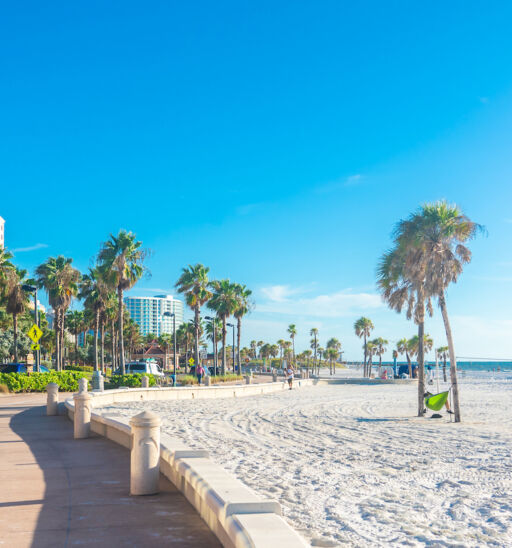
[[2, 233], [148, 313]]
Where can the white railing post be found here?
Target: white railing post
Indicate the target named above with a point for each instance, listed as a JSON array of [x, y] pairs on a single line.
[[83, 407], [145, 382], [52, 399], [145, 454]]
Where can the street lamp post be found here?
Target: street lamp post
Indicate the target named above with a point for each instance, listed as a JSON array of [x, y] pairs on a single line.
[[233, 326], [173, 316], [214, 343], [33, 289]]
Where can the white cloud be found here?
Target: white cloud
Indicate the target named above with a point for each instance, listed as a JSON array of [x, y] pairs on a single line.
[[284, 300], [343, 182], [29, 248]]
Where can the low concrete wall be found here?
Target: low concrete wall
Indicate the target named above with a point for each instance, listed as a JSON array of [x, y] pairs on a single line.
[[237, 515]]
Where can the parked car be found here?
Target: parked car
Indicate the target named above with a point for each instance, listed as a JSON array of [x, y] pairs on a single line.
[[404, 370], [19, 368], [149, 367], [209, 371]]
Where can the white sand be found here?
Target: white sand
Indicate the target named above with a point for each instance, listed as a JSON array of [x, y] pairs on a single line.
[[352, 466]]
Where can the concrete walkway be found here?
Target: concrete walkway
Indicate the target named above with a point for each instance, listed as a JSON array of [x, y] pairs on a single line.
[[56, 491]]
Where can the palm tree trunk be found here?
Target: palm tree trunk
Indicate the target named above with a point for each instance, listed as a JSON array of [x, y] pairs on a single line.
[[224, 345], [364, 363], [238, 337], [103, 347], [196, 335], [76, 344], [421, 369], [380, 364], [62, 341], [15, 329], [113, 343], [121, 326], [57, 337], [409, 363], [96, 327], [453, 363], [444, 367]]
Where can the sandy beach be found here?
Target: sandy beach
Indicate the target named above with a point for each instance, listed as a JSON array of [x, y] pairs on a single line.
[[351, 465]]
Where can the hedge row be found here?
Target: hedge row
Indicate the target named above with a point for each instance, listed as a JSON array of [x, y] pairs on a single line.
[[132, 381], [36, 382]]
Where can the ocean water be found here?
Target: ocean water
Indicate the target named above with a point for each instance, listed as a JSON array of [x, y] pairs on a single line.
[[504, 365]]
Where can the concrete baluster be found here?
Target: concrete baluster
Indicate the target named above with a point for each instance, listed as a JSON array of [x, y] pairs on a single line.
[[98, 381], [248, 379], [83, 408], [274, 376], [208, 381], [52, 399], [145, 454], [145, 382]]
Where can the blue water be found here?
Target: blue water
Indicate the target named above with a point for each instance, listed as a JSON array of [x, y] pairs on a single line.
[[505, 365]]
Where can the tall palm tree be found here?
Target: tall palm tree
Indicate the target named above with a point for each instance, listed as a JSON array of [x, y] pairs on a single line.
[[193, 284], [224, 303], [60, 280], [336, 345], [314, 343], [331, 354], [280, 343], [5, 265], [95, 292], [216, 325], [243, 307], [320, 354], [380, 349], [74, 321], [292, 331], [371, 348], [442, 352], [363, 328], [402, 347], [121, 262], [438, 233], [16, 300]]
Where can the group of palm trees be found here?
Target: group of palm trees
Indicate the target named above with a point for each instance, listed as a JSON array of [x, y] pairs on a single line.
[[224, 298], [428, 254], [119, 265]]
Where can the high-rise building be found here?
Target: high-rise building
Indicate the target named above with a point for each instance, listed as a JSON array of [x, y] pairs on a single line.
[[2, 233], [148, 313]]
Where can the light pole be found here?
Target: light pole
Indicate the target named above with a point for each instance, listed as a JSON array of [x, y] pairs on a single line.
[[214, 330], [173, 316], [233, 326], [33, 289]]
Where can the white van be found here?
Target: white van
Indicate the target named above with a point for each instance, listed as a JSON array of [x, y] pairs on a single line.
[[150, 367]]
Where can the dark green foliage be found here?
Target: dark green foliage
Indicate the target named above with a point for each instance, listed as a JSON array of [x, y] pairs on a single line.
[[132, 381], [36, 382]]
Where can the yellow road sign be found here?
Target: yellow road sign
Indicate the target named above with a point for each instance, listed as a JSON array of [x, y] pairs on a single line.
[[34, 333], [35, 346], [191, 361]]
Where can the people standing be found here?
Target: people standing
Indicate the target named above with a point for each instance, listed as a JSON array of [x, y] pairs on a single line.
[[289, 376], [199, 373]]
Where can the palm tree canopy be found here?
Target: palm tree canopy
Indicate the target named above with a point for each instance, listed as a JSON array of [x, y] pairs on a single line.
[[224, 298], [59, 279], [363, 326], [244, 305], [121, 260], [334, 343], [16, 299], [193, 283]]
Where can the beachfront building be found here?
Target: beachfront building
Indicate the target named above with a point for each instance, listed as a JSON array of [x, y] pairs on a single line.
[[148, 313]]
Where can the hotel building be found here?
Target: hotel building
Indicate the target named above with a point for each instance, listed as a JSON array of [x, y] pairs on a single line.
[[148, 313]]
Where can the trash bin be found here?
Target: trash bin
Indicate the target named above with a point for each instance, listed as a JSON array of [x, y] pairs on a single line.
[[173, 380]]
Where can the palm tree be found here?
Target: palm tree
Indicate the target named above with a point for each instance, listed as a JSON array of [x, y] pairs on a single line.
[[259, 345], [193, 283], [331, 354], [292, 331], [121, 262], [95, 292], [243, 307], [60, 280], [16, 300], [437, 233], [402, 347], [216, 325], [380, 349], [5, 265], [75, 320], [336, 345], [281, 344], [371, 348], [320, 354], [442, 353], [254, 349], [363, 327], [314, 343], [224, 303]]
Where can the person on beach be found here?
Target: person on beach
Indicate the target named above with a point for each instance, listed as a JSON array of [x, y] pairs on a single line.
[[289, 376], [446, 403], [199, 373]]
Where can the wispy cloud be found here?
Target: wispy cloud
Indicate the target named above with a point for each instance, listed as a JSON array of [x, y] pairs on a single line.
[[285, 300], [29, 248], [343, 182]]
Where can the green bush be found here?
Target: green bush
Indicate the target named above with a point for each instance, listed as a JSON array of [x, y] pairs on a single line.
[[225, 378], [84, 368], [36, 382], [132, 381], [187, 379]]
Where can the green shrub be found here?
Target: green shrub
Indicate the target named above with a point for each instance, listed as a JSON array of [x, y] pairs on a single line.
[[132, 381], [187, 379], [36, 382], [225, 378], [84, 368]]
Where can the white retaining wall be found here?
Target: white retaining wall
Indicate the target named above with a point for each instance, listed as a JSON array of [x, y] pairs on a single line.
[[235, 513]]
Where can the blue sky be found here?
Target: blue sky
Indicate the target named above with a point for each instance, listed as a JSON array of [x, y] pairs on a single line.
[[277, 143]]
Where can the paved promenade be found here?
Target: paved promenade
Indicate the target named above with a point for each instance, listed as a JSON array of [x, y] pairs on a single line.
[[57, 492]]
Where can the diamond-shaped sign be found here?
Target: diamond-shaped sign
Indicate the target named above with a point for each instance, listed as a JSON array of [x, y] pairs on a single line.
[[34, 333]]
